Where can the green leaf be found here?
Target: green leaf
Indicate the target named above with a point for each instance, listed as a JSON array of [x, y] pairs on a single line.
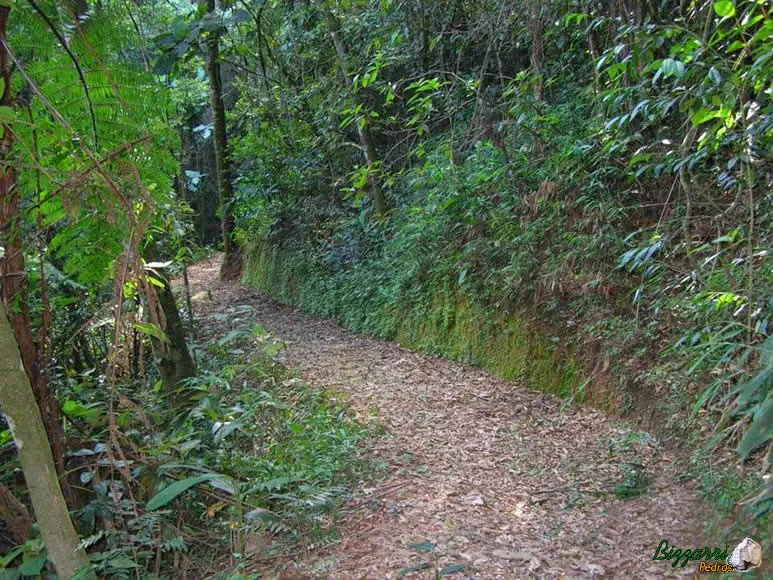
[[724, 8], [10, 556], [423, 546], [33, 567], [453, 568], [172, 491], [259, 514], [703, 115], [7, 114], [671, 67], [234, 335], [416, 568], [155, 281], [78, 409], [766, 355], [122, 563], [761, 430], [151, 329]]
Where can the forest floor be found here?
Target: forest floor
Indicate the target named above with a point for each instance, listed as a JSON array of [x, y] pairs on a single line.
[[503, 479]]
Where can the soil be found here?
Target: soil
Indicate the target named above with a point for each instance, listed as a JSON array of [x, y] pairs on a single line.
[[505, 480]]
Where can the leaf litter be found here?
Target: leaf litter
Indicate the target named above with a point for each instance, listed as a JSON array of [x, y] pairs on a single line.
[[501, 479]]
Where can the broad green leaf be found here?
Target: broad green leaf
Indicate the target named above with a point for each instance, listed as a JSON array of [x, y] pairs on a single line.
[[151, 329], [703, 115], [78, 409], [33, 567], [7, 114], [671, 67], [724, 8], [10, 556], [761, 430], [85, 573], [155, 281], [766, 356], [170, 492], [122, 563]]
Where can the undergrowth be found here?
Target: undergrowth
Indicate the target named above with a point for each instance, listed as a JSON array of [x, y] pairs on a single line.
[[255, 467], [545, 294]]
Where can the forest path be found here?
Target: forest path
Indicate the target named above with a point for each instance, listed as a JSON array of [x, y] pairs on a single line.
[[496, 474]]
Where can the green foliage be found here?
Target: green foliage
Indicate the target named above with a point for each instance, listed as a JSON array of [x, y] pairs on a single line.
[[259, 452], [598, 236], [27, 560], [636, 482], [577, 199], [173, 490]]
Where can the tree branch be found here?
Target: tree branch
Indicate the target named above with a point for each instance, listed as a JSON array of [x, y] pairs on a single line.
[[75, 62]]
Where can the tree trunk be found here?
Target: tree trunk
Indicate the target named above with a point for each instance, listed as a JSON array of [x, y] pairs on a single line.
[[13, 274], [232, 260], [536, 32], [23, 416], [174, 359], [363, 129]]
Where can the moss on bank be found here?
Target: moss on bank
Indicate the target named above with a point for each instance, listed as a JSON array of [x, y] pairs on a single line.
[[442, 320]]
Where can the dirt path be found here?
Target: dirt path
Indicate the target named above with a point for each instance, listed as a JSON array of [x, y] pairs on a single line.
[[495, 474]]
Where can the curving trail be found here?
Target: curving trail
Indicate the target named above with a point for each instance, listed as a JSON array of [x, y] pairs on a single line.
[[494, 473]]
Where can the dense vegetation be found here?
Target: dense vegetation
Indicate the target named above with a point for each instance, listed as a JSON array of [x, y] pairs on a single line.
[[570, 194]]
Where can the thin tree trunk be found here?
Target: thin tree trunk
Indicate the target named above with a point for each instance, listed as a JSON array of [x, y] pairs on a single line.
[[363, 129], [536, 31], [24, 419], [231, 268], [175, 363], [189, 303], [183, 191]]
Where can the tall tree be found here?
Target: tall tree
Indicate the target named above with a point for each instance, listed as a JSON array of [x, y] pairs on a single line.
[[231, 267]]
